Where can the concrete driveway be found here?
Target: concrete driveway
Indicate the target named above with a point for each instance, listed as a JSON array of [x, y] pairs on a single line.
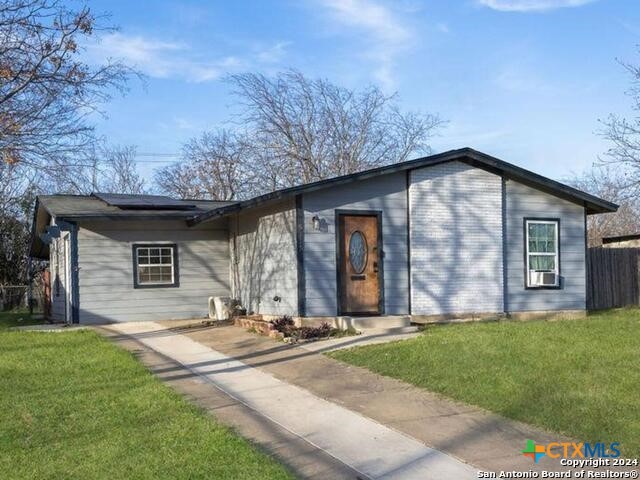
[[353, 422], [368, 447]]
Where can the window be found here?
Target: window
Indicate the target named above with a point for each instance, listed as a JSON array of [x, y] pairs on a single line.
[[155, 266], [542, 263], [358, 251]]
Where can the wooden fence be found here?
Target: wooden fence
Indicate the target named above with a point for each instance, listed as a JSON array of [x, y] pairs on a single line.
[[613, 278]]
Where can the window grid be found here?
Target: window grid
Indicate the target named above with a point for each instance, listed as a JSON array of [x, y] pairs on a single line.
[[155, 265], [542, 247]]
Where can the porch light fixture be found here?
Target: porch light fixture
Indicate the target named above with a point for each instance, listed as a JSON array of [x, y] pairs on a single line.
[[53, 231], [316, 222]]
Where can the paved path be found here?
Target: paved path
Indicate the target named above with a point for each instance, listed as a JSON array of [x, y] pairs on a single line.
[[481, 438], [368, 447], [303, 459]]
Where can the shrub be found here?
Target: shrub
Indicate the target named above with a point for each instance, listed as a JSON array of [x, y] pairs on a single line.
[[314, 332], [287, 327], [284, 325]]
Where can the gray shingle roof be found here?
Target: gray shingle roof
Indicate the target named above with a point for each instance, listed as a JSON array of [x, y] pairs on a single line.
[[85, 207], [90, 207]]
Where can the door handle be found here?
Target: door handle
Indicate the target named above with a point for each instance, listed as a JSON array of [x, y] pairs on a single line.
[[375, 267]]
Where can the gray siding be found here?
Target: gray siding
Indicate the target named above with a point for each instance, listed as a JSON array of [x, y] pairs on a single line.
[[265, 263], [523, 201], [106, 270], [456, 240], [386, 193]]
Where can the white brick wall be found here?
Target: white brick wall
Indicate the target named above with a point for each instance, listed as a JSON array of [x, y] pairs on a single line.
[[456, 240], [267, 268]]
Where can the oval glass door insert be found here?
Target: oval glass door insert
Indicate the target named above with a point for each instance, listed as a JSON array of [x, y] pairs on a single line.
[[358, 251]]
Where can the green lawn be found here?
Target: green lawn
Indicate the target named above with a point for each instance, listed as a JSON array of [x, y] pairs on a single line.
[[16, 318], [579, 377], [72, 405]]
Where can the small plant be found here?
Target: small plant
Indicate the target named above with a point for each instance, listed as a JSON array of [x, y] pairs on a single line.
[[324, 330], [287, 327], [284, 325]]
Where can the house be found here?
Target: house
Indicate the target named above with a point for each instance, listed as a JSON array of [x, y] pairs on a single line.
[[459, 233], [622, 241]]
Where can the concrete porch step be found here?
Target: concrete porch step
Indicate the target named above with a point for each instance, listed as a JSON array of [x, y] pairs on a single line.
[[383, 322], [366, 337], [393, 331]]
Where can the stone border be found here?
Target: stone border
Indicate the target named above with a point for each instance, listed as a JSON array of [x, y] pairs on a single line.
[[260, 326]]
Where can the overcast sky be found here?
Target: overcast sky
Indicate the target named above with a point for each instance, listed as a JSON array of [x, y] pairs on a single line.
[[525, 80]]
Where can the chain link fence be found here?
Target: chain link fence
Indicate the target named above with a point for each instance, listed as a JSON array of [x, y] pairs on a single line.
[[17, 296]]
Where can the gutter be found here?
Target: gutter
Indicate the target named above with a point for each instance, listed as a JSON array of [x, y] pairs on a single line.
[[467, 155]]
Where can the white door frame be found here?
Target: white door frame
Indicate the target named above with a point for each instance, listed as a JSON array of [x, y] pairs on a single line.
[[66, 247]]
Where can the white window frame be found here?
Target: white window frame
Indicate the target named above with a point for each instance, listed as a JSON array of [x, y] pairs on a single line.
[[137, 265], [528, 254]]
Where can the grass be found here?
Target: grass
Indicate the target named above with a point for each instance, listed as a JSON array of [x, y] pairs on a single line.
[[72, 405], [578, 377], [16, 318]]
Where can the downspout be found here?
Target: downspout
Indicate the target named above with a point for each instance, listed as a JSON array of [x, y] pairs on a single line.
[[75, 275], [587, 276], [300, 272], [505, 248], [235, 274], [74, 266], [30, 284]]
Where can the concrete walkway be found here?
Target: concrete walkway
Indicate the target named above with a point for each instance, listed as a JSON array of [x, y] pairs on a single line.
[[366, 446], [480, 438], [303, 459]]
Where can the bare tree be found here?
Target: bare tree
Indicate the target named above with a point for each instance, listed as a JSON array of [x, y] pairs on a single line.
[[48, 95], [214, 166], [613, 185], [616, 177], [293, 130], [17, 194], [624, 135], [120, 173], [304, 130], [178, 180], [47, 91], [102, 168]]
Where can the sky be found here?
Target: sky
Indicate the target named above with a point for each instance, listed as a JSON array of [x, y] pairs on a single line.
[[524, 80]]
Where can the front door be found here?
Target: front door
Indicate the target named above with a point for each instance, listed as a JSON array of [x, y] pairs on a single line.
[[360, 274]]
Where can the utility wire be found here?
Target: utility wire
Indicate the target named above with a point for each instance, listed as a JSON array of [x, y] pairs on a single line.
[[152, 154]]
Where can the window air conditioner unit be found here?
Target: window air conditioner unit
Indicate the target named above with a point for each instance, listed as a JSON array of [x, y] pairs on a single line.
[[219, 308], [542, 278]]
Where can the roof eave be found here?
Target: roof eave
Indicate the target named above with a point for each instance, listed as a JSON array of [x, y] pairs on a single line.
[[620, 238], [320, 184], [115, 217], [592, 204]]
